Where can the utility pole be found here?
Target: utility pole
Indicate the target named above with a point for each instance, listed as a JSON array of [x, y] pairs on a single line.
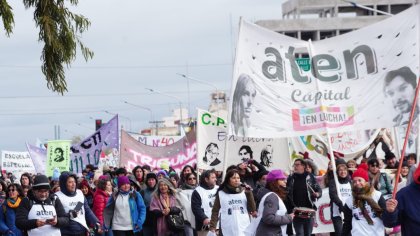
[[157, 122]]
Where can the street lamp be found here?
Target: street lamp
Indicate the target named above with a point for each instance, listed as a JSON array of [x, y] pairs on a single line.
[[129, 121], [171, 96], [142, 107], [206, 83], [367, 8]]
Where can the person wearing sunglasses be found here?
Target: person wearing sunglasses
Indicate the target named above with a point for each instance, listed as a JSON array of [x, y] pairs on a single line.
[[14, 196], [380, 181], [185, 195]]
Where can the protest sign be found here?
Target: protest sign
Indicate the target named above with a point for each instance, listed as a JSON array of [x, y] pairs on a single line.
[[216, 149], [58, 156], [39, 157], [177, 155], [352, 84], [156, 141], [104, 140], [16, 163]]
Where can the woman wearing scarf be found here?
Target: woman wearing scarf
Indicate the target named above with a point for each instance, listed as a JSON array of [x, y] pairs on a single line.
[[185, 196], [234, 203], [150, 222], [164, 203], [101, 196], [125, 211], [272, 209], [14, 196], [363, 211], [87, 192]]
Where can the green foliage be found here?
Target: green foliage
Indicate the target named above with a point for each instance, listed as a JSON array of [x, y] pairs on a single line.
[[60, 30], [7, 17]]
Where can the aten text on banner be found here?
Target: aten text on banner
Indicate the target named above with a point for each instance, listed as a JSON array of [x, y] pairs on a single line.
[[363, 79], [58, 156]]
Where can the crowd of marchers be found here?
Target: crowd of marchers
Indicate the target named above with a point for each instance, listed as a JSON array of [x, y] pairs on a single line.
[[246, 200]]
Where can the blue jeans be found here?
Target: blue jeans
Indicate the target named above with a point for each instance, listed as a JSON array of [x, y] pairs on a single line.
[[303, 227]]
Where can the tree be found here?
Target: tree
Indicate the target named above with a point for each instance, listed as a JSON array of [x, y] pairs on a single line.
[[60, 31]]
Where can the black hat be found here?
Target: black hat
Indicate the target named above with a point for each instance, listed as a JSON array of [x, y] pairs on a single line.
[[340, 161], [41, 182]]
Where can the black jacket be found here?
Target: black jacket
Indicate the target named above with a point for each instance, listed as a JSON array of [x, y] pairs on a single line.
[[311, 184], [22, 212]]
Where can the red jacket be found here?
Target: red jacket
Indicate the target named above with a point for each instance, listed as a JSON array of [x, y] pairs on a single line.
[[100, 198]]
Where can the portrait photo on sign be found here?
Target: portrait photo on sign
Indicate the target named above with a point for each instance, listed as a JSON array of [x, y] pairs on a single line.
[[242, 105], [59, 154], [211, 155]]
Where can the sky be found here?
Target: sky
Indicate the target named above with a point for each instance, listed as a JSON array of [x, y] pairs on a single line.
[[137, 44]]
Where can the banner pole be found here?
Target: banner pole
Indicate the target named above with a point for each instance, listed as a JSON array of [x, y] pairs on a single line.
[[407, 133], [332, 159]]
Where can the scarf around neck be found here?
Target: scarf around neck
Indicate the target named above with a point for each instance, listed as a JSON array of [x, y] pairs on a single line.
[[363, 196], [12, 203]]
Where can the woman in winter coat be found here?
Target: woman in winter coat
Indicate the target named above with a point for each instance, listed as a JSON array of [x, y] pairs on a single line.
[[234, 204], [149, 228], [164, 203], [339, 198], [87, 192], [272, 208], [100, 198], [186, 193], [125, 211], [14, 196]]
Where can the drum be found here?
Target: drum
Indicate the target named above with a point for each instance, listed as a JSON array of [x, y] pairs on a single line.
[[304, 212]]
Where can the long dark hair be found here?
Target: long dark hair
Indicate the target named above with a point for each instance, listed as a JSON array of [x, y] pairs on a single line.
[[228, 175], [277, 189], [17, 187]]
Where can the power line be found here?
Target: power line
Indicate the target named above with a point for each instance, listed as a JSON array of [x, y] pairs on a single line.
[[110, 67], [99, 95]]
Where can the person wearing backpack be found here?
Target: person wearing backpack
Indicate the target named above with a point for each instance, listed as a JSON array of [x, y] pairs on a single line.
[[41, 214]]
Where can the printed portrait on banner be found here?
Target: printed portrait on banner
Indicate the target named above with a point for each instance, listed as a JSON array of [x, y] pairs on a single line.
[[364, 79]]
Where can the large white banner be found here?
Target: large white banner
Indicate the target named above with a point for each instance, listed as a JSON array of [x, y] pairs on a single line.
[[363, 79], [17, 163], [218, 150]]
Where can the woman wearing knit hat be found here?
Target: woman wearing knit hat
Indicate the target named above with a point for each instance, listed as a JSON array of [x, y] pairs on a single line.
[[124, 203], [272, 210], [363, 211], [149, 226], [339, 198]]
